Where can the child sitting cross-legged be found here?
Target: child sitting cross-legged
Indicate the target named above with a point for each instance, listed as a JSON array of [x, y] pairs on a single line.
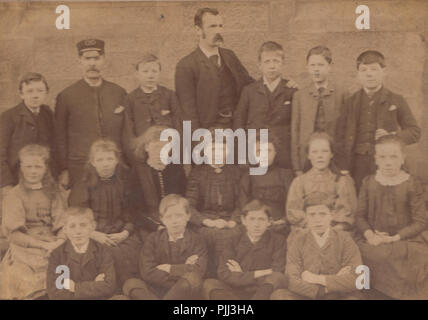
[[252, 262], [90, 264], [321, 261], [173, 259]]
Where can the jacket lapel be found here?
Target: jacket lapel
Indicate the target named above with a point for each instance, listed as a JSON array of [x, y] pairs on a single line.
[[381, 112], [26, 114], [164, 252]]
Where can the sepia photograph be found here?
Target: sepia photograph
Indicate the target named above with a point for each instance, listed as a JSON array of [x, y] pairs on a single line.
[[214, 150]]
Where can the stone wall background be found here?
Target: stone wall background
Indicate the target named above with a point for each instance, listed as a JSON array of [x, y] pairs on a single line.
[[29, 41]]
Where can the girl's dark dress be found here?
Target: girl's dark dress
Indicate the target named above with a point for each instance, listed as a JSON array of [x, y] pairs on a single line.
[[112, 204], [398, 269]]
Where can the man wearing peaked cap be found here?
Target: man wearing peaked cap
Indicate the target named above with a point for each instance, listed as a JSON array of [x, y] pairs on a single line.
[[89, 109], [90, 45]]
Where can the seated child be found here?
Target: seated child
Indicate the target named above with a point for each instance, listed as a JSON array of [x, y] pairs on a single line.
[[213, 194], [32, 218], [270, 188], [90, 263], [105, 188], [156, 180], [30, 122], [252, 262], [321, 261], [368, 114], [322, 177], [391, 216], [152, 104], [315, 107], [173, 259]]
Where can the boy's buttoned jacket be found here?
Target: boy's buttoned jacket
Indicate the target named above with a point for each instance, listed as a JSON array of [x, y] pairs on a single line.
[[198, 86], [156, 251], [304, 112], [304, 254], [157, 108], [255, 111], [267, 253], [392, 114], [84, 268], [17, 129]]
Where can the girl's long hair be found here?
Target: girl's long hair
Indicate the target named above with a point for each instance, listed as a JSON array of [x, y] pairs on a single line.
[[320, 135]]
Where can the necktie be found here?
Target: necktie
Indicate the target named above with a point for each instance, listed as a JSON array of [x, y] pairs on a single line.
[[214, 60], [320, 118]]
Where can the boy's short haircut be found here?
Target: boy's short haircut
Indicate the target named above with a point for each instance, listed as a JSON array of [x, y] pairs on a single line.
[[271, 46], [30, 77], [152, 133], [172, 200], [369, 57], [390, 138], [318, 199], [320, 51], [77, 212], [104, 145], [200, 14], [256, 205], [148, 57]]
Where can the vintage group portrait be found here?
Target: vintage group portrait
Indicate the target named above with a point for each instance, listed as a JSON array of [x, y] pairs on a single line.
[[333, 93]]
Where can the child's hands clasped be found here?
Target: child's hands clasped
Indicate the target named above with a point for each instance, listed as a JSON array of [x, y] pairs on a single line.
[[103, 238], [118, 237], [164, 267], [219, 223], [233, 266], [376, 238], [192, 259], [100, 277]]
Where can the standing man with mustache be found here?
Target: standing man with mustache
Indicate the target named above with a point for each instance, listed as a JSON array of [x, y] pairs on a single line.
[[90, 109], [209, 80]]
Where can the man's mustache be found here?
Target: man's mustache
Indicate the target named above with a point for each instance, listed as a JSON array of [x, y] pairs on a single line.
[[93, 69], [218, 37]]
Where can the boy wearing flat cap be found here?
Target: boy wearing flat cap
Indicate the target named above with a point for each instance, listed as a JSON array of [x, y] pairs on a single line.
[[368, 114], [90, 109]]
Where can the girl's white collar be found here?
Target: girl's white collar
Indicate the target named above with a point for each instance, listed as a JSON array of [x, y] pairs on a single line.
[[391, 181]]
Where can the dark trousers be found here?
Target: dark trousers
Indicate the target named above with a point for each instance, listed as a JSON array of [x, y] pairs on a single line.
[[214, 289], [126, 258], [186, 288], [285, 294], [363, 166]]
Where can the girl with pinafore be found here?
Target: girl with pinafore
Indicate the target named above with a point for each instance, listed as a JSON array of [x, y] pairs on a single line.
[[391, 220], [32, 218], [322, 177]]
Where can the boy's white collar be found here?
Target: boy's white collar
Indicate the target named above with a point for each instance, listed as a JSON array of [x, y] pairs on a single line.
[[372, 91], [391, 181], [321, 240], [272, 85], [83, 249], [147, 90], [181, 236]]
